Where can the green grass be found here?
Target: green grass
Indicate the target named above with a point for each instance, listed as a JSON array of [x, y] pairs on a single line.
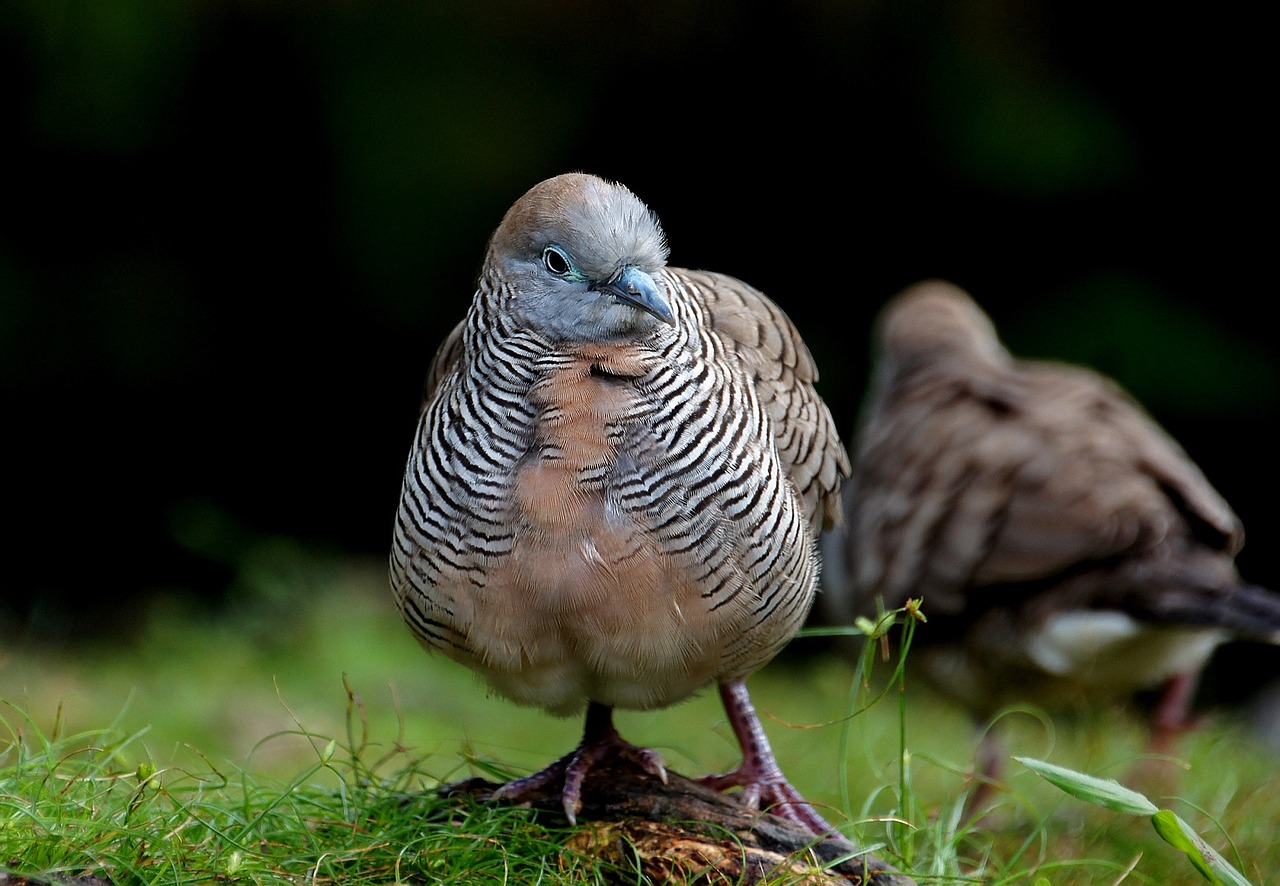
[[79, 803], [297, 738]]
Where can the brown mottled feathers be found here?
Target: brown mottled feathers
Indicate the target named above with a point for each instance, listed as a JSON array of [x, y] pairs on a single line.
[[1063, 544], [974, 468]]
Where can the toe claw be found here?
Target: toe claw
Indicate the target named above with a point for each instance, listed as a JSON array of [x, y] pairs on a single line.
[[572, 806], [651, 762]]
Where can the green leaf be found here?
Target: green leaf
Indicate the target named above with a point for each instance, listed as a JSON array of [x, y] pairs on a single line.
[[1104, 792], [1167, 826], [1204, 858]]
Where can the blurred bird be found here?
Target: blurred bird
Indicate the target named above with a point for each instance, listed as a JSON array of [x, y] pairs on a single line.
[[1065, 548], [616, 486]]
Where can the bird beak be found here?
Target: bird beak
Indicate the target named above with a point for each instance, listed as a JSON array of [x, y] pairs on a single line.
[[637, 288]]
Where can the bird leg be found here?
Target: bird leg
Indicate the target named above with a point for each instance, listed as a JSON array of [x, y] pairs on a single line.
[[988, 769], [758, 774], [599, 739], [1172, 715]]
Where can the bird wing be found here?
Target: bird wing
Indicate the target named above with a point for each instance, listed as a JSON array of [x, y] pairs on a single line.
[[446, 357], [1117, 478], [973, 474], [1184, 485], [770, 348]]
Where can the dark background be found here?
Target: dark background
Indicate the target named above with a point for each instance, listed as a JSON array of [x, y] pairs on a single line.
[[232, 234]]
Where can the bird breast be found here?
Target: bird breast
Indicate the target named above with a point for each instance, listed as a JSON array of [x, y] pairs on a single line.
[[588, 604], [571, 544]]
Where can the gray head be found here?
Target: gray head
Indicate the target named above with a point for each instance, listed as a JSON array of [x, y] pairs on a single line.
[[578, 257]]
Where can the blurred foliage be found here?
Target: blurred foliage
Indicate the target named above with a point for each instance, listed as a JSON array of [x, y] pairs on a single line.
[[234, 232]]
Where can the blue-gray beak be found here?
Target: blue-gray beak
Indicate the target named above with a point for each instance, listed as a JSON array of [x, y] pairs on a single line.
[[637, 288]]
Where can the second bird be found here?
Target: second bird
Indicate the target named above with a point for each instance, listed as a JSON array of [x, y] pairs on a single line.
[[1067, 550], [616, 486]]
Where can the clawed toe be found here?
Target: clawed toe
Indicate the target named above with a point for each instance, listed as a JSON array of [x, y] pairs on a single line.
[[647, 759], [589, 755], [529, 787], [772, 793], [599, 741]]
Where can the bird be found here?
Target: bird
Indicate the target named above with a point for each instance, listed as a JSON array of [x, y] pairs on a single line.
[[1062, 546], [614, 492]]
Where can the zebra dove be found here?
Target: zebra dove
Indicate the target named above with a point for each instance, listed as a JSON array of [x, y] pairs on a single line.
[[1064, 546], [616, 485]]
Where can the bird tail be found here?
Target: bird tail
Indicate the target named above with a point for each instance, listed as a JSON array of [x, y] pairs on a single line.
[[1248, 611]]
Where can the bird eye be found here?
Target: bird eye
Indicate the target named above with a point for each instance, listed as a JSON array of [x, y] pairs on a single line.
[[556, 261]]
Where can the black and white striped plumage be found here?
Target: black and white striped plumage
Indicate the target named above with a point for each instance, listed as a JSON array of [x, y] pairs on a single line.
[[618, 476]]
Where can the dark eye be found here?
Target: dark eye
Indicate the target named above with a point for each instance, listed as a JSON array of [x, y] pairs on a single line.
[[556, 261]]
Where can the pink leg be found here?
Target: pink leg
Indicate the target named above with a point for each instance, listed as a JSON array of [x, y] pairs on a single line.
[[599, 739], [1172, 715], [990, 766], [758, 774]]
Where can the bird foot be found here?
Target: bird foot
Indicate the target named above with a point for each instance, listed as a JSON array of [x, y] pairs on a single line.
[[587, 757], [600, 741], [769, 789], [759, 776]]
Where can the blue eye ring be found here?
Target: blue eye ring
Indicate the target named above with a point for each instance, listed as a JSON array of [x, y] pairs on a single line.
[[555, 260]]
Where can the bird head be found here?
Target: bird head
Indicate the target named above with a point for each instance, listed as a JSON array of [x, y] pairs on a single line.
[[578, 259], [934, 318]]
